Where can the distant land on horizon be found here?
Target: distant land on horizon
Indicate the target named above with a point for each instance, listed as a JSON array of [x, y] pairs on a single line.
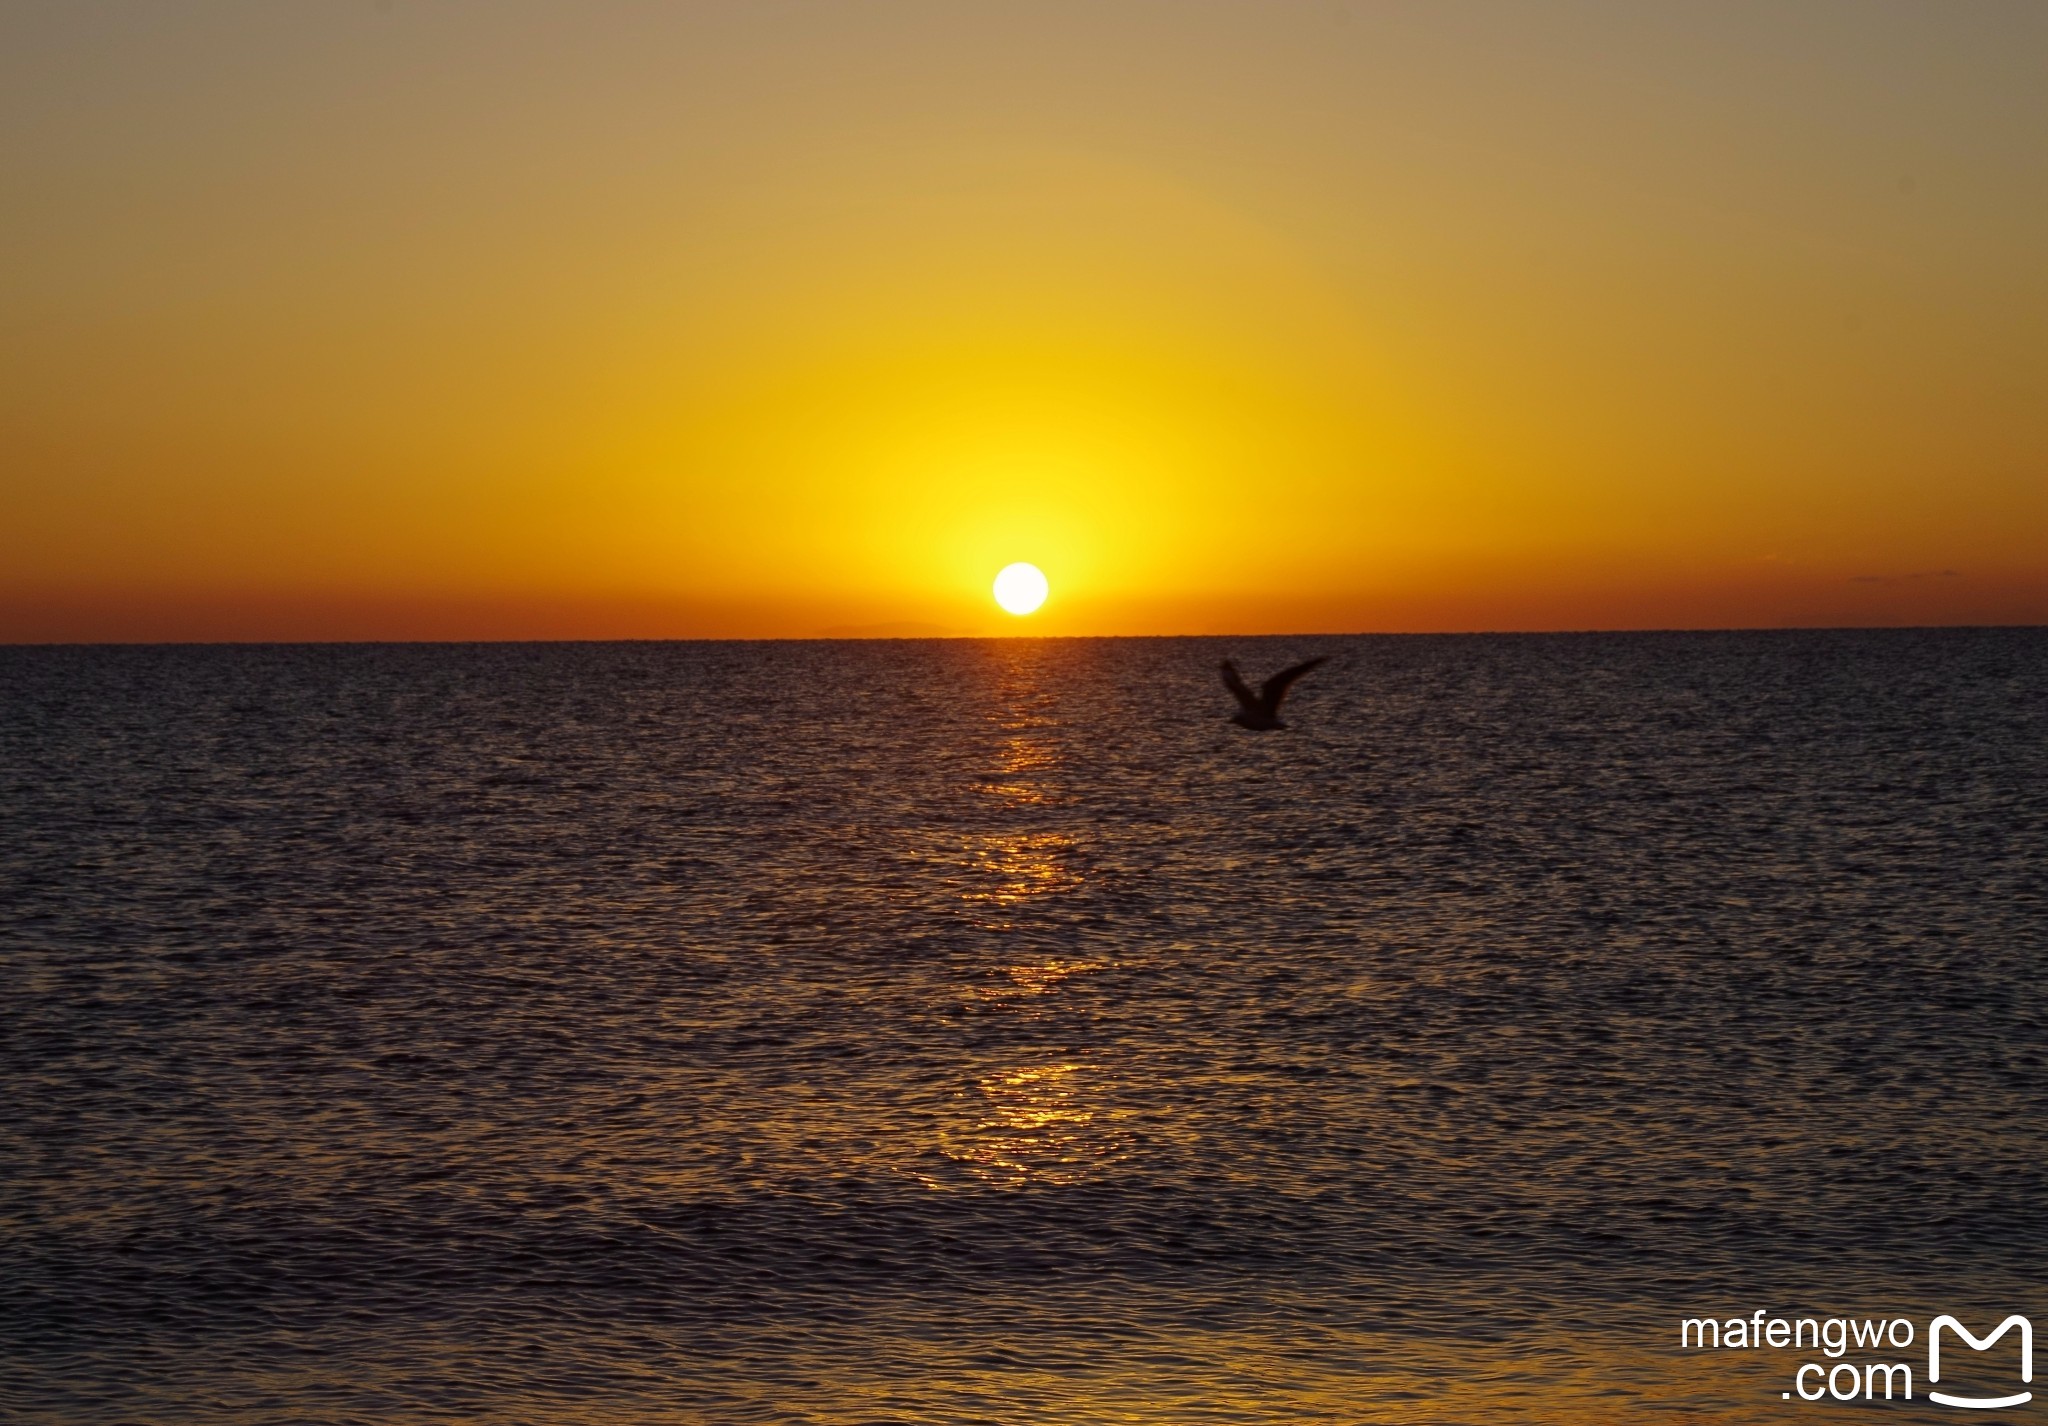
[[897, 629]]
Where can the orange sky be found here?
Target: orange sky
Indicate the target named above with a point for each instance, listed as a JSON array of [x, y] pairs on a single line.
[[633, 320]]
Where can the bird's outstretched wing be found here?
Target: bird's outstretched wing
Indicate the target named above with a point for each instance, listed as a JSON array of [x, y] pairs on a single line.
[[1247, 699], [1275, 688]]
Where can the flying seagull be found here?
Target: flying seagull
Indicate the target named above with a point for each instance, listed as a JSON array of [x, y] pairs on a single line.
[[1261, 711]]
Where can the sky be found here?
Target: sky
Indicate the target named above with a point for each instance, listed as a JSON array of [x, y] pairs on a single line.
[[654, 320]]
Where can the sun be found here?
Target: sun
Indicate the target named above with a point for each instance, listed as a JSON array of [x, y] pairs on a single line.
[[1021, 588]]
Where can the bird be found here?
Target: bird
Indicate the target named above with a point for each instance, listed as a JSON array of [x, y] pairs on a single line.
[[1260, 711]]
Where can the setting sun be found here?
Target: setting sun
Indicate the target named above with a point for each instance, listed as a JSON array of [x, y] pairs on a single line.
[[1021, 588]]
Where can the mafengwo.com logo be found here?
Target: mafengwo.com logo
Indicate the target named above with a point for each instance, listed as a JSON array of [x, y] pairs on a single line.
[[1837, 1339]]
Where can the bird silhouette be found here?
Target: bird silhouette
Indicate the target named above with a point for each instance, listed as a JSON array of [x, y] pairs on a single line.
[[1261, 711]]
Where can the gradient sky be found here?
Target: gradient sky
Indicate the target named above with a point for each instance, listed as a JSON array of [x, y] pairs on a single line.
[[360, 320]]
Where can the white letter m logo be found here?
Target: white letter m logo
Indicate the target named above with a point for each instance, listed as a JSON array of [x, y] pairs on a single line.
[[1982, 1344]]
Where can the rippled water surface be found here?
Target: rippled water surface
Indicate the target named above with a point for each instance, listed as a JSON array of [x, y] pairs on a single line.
[[957, 1031]]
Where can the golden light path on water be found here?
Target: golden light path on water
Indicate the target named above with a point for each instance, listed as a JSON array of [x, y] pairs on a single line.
[[1047, 1120]]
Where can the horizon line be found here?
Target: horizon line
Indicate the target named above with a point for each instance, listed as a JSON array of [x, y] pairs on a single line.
[[1007, 638]]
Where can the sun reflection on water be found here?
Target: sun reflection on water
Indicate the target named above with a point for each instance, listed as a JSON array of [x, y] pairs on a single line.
[[1042, 1123], [1018, 867], [1036, 977], [1020, 757], [1051, 1118]]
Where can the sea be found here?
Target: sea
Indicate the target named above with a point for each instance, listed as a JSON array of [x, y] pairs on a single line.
[[966, 1031]]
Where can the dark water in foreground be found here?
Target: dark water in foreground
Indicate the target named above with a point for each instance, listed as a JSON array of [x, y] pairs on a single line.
[[947, 1032]]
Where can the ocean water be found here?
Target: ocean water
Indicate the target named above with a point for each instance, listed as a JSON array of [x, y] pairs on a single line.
[[965, 1031]]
